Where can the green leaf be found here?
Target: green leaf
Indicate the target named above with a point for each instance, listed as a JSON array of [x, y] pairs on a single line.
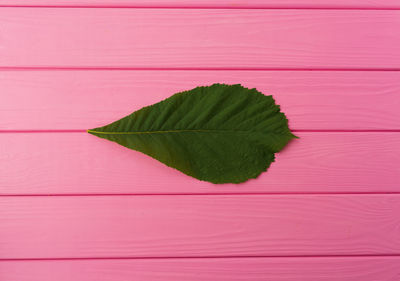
[[219, 133]]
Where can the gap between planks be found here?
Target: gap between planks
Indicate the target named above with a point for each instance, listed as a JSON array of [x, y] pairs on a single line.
[[105, 68], [63, 6], [197, 194], [302, 131], [204, 257]]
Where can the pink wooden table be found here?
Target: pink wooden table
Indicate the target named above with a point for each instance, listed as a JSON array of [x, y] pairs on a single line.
[[75, 207]]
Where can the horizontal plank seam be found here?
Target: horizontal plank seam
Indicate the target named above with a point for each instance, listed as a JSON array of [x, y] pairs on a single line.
[[204, 7], [391, 193], [347, 131], [105, 68], [202, 257], [298, 131]]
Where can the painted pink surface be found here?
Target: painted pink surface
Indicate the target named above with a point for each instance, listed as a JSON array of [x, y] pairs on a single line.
[[312, 100], [212, 3], [79, 163], [199, 226], [200, 38], [232, 269], [75, 68]]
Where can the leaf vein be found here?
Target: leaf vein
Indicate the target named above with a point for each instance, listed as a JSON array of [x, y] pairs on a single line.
[[163, 132]]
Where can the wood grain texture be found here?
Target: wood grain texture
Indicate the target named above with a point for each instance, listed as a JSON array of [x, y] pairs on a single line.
[[232, 269], [312, 100], [211, 3], [79, 163], [199, 226], [200, 38], [171, 229]]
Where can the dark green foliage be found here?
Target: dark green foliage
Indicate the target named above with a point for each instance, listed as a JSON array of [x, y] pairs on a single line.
[[219, 133]]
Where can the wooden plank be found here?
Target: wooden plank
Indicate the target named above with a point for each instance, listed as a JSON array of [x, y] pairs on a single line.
[[312, 100], [79, 163], [371, 4], [199, 226], [200, 38], [232, 269]]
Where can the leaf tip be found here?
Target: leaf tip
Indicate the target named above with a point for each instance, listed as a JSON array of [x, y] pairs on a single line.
[[89, 131]]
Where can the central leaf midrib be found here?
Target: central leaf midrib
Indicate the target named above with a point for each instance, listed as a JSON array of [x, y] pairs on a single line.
[[164, 132]]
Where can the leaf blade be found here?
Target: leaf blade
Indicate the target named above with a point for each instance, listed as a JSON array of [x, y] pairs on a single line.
[[219, 133]]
